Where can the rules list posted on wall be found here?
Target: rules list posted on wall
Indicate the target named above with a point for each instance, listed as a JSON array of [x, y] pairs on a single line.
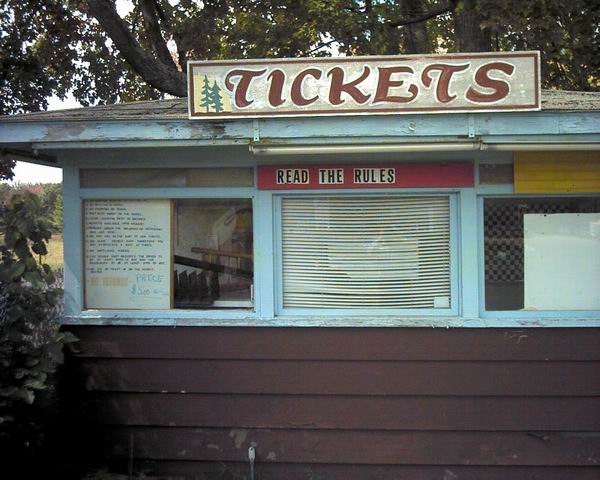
[[127, 254]]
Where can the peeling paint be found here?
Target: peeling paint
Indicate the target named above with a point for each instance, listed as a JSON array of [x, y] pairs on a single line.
[[239, 436], [245, 320], [64, 132], [450, 475]]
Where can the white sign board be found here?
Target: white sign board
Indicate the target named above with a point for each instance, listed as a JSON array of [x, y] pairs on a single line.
[[127, 254], [465, 82], [562, 261]]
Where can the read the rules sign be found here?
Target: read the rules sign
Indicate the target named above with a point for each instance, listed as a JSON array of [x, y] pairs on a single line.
[[364, 85], [395, 175]]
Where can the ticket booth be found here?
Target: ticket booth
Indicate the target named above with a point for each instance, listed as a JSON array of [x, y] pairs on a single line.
[[347, 268]]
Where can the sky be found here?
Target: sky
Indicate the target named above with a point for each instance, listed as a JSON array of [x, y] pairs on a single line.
[[26, 172]]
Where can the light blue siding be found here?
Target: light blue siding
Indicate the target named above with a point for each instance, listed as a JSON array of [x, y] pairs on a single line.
[[127, 134], [73, 241], [469, 252], [185, 143]]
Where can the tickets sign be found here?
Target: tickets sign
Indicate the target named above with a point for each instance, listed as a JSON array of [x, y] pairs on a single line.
[[364, 85], [398, 175]]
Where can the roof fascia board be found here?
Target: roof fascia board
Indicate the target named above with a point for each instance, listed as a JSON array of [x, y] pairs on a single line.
[[359, 127]]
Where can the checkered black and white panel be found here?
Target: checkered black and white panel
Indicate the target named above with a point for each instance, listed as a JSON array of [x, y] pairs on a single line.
[[503, 227]]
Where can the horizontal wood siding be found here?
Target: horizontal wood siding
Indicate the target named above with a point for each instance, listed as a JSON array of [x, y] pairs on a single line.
[[279, 471], [344, 403], [352, 377]]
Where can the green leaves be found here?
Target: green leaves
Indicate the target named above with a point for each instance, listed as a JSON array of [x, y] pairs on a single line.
[[10, 237], [31, 344], [54, 47], [15, 271], [25, 234], [38, 45]]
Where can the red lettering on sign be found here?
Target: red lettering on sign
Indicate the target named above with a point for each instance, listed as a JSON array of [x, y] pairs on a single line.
[[277, 78], [296, 93], [338, 86], [500, 87], [241, 89], [384, 83], [442, 89]]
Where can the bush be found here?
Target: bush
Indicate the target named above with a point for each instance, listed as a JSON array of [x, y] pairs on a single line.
[[31, 344]]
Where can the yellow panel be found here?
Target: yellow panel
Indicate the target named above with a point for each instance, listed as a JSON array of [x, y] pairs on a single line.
[[557, 172]]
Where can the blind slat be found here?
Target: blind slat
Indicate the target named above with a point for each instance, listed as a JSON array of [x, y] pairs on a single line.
[[366, 252]]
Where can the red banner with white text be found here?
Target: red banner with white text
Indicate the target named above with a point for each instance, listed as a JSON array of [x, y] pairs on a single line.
[[388, 175]]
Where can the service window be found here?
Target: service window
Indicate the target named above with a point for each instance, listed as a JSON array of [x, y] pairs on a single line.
[[366, 252], [161, 254], [542, 253], [213, 260]]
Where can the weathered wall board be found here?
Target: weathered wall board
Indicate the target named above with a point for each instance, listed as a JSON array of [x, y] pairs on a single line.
[[473, 401], [364, 85]]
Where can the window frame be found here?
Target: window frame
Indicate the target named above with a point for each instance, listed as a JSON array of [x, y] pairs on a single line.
[[523, 315], [454, 220], [467, 266], [75, 311]]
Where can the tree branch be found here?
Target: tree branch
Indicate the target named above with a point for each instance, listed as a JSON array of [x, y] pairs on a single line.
[[165, 18], [322, 45], [162, 77], [153, 33], [422, 18]]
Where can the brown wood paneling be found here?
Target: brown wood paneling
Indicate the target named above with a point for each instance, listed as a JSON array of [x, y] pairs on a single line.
[[191, 470], [339, 343], [350, 413], [343, 378], [346, 403], [358, 447]]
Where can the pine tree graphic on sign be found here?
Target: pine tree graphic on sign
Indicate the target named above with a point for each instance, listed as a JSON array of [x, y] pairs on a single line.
[[215, 96], [211, 98], [205, 101]]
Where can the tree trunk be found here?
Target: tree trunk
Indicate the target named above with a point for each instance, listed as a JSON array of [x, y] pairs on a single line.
[[469, 35], [416, 37]]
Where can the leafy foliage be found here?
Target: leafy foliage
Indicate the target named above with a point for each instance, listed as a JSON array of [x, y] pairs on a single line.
[[31, 345], [6, 168], [567, 33], [50, 199], [50, 47], [38, 42]]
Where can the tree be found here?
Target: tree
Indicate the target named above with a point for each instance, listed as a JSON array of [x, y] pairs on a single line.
[[205, 99], [215, 96], [57, 217], [88, 47], [52, 204], [49, 196]]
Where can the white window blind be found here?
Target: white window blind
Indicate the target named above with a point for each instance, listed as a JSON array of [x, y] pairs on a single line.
[[366, 252]]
